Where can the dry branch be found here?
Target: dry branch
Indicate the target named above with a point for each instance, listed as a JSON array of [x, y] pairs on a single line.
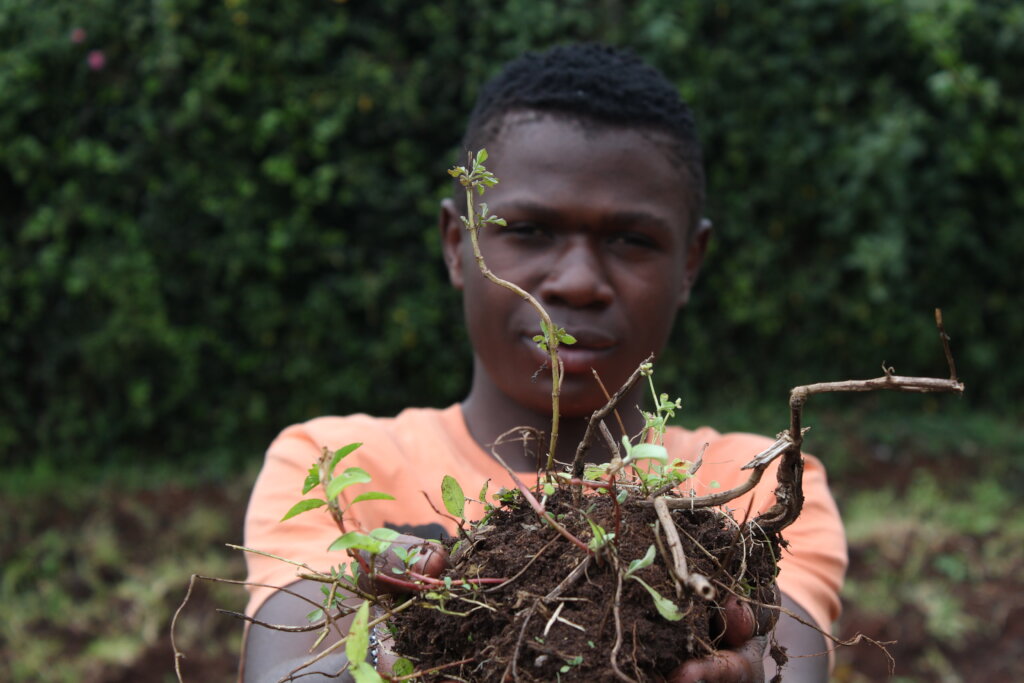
[[600, 414], [789, 493]]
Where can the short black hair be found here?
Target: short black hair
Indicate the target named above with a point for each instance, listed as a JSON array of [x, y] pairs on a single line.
[[592, 83]]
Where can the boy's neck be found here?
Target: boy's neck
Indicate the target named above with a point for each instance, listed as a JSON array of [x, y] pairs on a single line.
[[489, 413]]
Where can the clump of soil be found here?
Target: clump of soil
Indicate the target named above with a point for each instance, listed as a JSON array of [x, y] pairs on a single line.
[[597, 617]]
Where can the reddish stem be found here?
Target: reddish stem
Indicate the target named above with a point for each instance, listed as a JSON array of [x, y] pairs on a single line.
[[539, 509], [458, 582]]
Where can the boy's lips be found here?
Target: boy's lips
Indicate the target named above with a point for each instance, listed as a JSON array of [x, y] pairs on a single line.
[[588, 351]]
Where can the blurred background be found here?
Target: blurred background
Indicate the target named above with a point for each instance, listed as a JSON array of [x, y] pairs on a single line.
[[218, 218]]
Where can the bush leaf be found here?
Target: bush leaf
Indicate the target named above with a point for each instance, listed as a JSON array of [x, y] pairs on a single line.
[[376, 542], [358, 641], [648, 451], [371, 495], [312, 479], [353, 475], [302, 506], [453, 497], [402, 667], [364, 672], [641, 563], [341, 453], [666, 607]]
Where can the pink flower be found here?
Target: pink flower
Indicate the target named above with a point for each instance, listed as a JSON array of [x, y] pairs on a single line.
[[78, 35], [96, 59]]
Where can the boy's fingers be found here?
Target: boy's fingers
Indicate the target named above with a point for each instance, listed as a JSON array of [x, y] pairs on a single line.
[[726, 666], [734, 623], [737, 621], [432, 561]]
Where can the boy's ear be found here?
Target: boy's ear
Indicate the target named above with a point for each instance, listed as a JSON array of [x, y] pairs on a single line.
[[695, 251], [450, 223]]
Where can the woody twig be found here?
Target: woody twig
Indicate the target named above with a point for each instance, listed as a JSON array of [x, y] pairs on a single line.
[[789, 493]]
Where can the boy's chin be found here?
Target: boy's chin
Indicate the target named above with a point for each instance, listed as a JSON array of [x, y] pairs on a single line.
[[579, 402]]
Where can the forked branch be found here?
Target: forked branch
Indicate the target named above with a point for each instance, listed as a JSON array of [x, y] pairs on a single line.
[[789, 493]]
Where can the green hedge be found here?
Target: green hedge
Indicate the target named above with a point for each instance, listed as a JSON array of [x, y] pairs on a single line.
[[229, 226]]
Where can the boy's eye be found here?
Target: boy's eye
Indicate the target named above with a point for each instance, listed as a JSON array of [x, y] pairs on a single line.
[[634, 239], [527, 230]]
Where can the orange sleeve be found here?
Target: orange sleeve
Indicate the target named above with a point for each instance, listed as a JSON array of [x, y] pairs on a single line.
[[812, 568], [306, 537]]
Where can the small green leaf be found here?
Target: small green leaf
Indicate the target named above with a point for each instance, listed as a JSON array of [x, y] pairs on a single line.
[[384, 534], [483, 491], [481, 156], [402, 667], [641, 563], [312, 479], [341, 453], [358, 635], [566, 338], [649, 451], [666, 608], [353, 475], [371, 495], [376, 542], [713, 484], [302, 506], [549, 488], [601, 537], [315, 615], [453, 497], [364, 672], [643, 476]]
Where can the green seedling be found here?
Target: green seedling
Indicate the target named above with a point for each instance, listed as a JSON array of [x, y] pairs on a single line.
[[477, 178], [600, 538]]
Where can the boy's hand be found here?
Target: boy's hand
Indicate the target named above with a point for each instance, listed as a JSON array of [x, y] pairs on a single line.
[[745, 637], [744, 634], [432, 561]]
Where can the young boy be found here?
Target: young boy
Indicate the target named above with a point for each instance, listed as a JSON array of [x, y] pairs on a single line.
[[602, 188]]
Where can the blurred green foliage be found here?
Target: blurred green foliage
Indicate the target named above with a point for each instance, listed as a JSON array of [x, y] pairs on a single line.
[[216, 218]]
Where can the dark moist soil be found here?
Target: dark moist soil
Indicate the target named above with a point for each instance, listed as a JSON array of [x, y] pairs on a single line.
[[550, 649]]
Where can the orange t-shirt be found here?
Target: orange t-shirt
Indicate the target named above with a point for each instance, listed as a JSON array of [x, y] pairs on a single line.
[[411, 453]]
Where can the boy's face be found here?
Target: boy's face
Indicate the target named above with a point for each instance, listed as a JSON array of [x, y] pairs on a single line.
[[598, 231]]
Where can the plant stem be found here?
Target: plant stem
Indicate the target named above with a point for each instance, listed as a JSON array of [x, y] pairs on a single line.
[[550, 335]]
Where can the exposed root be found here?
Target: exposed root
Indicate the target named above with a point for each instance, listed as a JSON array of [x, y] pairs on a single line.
[[616, 606], [568, 581], [698, 583]]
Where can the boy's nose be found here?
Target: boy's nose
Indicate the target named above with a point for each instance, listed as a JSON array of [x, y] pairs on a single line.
[[576, 279]]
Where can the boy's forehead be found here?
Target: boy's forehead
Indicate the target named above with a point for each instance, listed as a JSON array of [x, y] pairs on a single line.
[[591, 128], [553, 132]]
